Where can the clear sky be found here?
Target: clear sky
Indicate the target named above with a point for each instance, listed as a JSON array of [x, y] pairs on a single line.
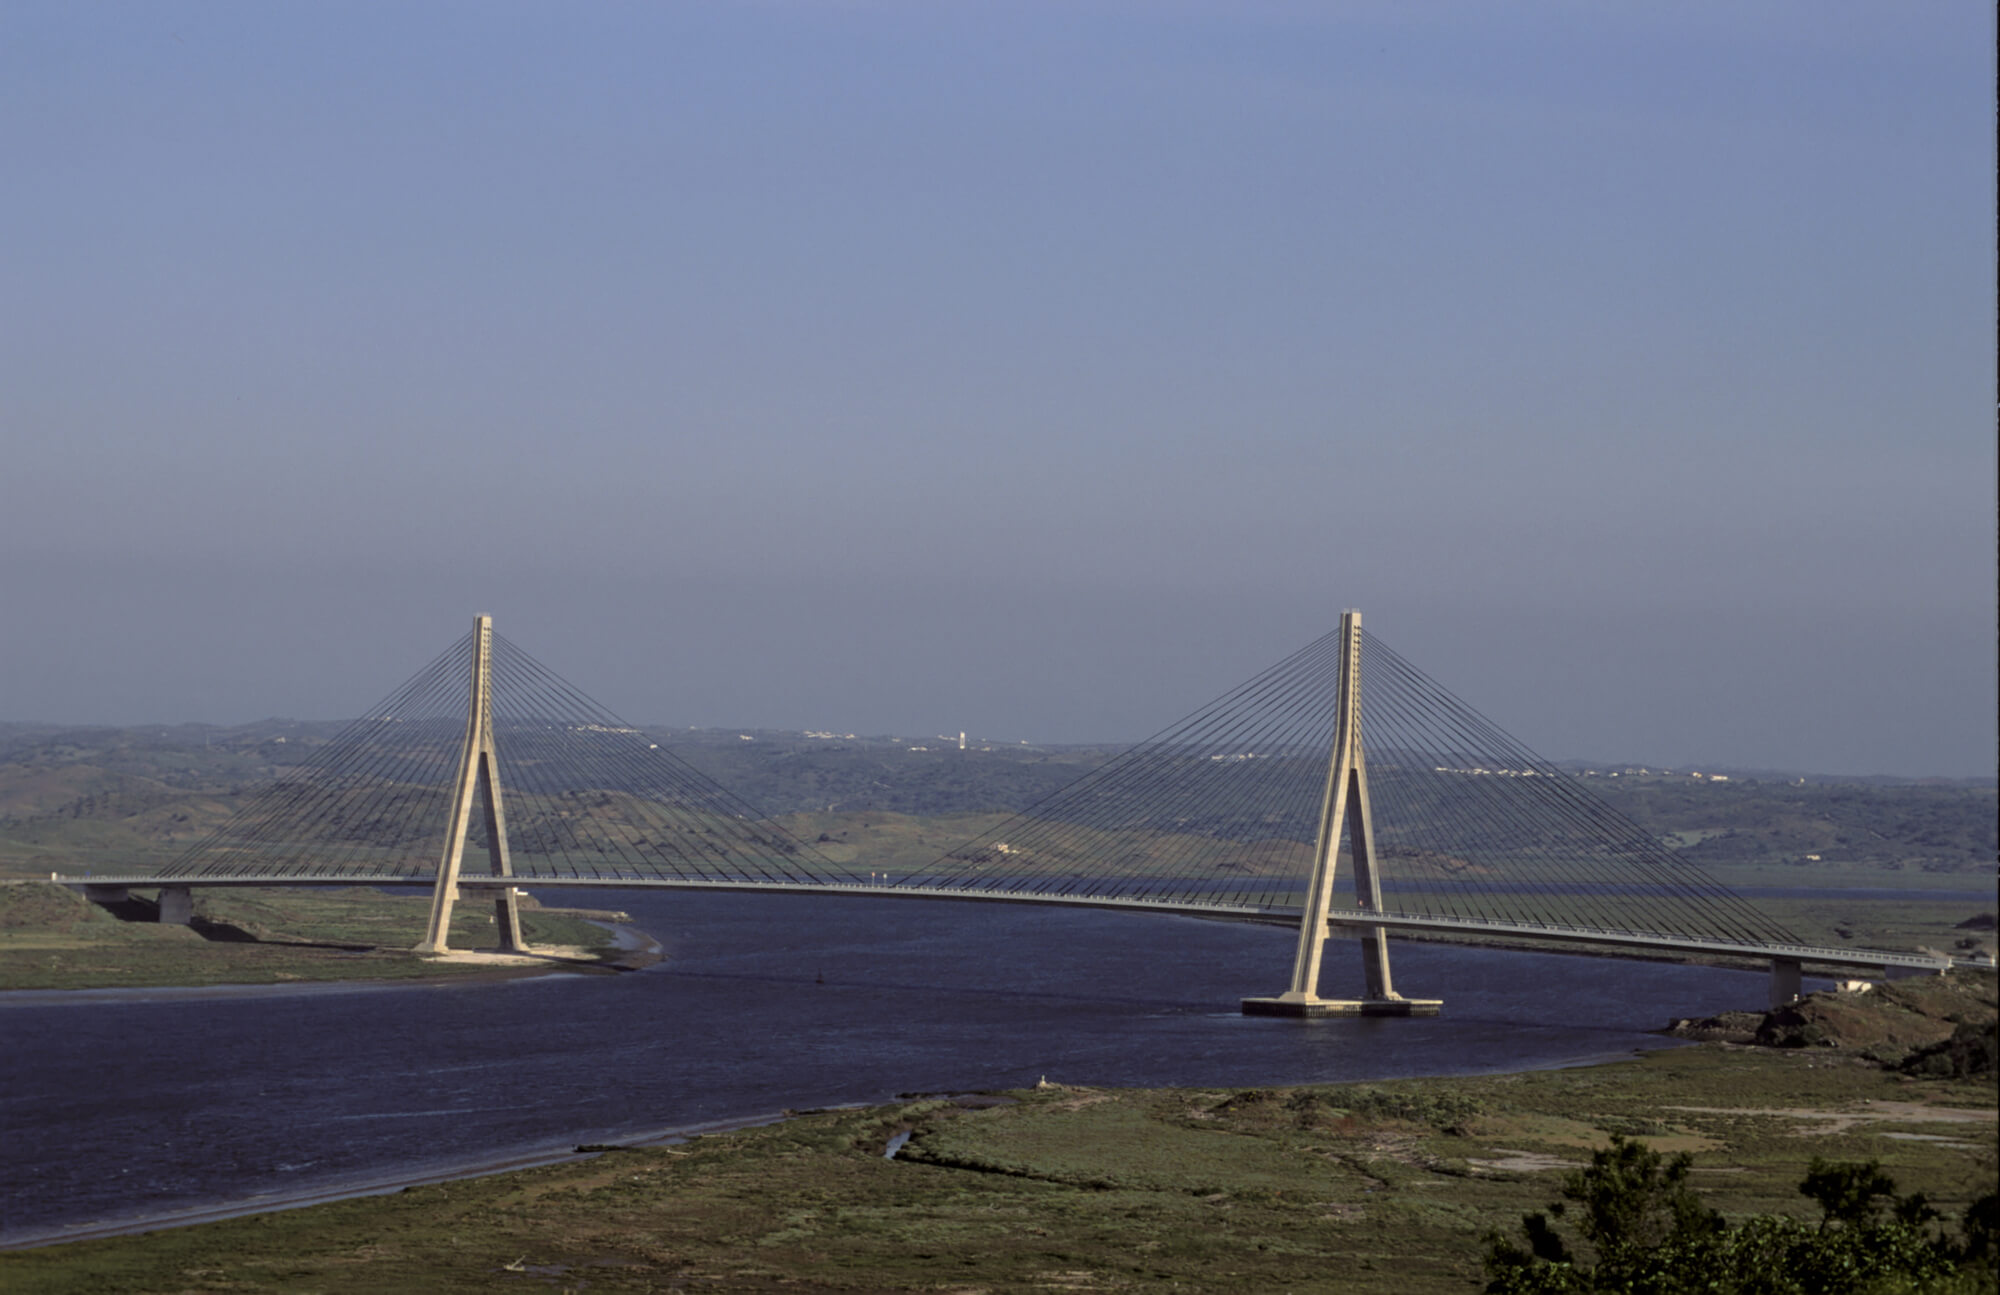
[[1036, 369]]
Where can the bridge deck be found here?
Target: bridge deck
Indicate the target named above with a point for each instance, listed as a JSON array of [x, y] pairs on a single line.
[[1499, 931]]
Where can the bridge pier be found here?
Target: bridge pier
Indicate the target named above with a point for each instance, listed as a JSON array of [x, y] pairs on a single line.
[[1312, 1007], [478, 774], [1787, 980], [1345, 804], [177, 905], [507, 920]]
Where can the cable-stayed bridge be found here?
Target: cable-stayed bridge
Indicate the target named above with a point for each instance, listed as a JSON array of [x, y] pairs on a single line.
[[1265, 804]]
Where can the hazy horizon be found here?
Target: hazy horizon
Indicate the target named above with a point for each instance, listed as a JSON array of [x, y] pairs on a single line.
[[1037, 369], [1605, 762]]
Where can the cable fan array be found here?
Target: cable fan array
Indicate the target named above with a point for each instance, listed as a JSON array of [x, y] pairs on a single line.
[[371, 801], [1218, 810], [586, 795], [1222, 808]]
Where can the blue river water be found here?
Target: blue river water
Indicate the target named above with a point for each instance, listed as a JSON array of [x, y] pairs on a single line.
[[116, 1108]]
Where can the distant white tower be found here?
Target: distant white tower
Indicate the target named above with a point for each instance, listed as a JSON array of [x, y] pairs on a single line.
[[961, 739]]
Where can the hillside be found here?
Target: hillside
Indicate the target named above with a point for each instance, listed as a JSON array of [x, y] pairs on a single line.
[[109, 798]]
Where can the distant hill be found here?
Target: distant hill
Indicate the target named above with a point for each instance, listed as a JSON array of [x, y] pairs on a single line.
[[121, 797]]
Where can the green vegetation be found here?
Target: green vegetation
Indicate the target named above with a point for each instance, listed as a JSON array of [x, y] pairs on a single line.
[[1380, 1187], [1879, 923], [1645, 1228], [53, 938]]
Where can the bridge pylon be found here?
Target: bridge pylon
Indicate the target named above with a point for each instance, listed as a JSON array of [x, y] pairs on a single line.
[[478, 771], [1345, 804]]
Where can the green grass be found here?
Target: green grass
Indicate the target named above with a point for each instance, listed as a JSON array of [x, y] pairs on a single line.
[[53, 938], [1881, 923]]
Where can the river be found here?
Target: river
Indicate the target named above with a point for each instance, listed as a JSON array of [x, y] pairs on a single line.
[[141, 1105]]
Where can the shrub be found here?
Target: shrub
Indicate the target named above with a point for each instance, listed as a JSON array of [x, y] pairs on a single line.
[[1412, 1106], [1649, 1233], [1972, 1049]]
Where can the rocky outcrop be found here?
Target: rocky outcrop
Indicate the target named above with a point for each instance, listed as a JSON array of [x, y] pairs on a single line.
[[1934, 1024]]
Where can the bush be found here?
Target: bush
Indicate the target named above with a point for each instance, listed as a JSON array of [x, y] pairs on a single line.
[[1649, 1234], [1971, 1050], [1416, 1106]]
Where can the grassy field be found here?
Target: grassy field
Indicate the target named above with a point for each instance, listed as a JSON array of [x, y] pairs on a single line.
[[53, 938], [1385, 1187], [1883, 923]]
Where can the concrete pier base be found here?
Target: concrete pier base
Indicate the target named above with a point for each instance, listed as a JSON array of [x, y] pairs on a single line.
[[507, 919], [1787, 980], [1310, 1007], [177, 905]]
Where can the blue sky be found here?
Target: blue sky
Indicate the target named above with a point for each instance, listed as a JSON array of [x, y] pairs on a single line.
[[1034, 369]]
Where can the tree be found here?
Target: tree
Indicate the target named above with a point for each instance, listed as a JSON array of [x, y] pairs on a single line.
[[1631, 1201], [1634, 1199], [1849, 1193]]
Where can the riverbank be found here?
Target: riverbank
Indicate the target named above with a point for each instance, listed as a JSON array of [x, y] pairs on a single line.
[[769, 1001], [54, 940], [381, 1185], [1361, 1187]]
